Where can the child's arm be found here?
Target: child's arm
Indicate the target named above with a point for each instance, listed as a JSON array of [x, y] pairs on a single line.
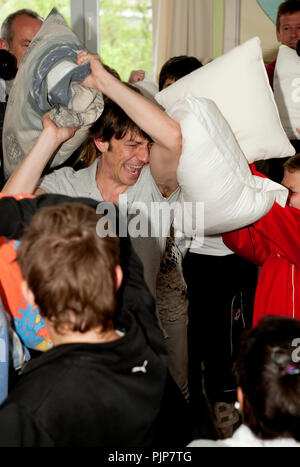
[[253, 242], [248, 243], [278, 232], [281, 229]]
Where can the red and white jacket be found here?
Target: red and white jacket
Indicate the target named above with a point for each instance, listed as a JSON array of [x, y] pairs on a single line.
[[273, 243]]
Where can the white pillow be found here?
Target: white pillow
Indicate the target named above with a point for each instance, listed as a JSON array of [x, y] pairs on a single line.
[[213, 170], [287, 90], [237, 82]]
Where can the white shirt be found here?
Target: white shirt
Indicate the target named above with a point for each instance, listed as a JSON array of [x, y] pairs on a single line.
[[211, 245], [245, 438]]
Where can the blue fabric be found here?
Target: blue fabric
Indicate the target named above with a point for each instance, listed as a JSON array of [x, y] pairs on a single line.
[[62, 93], [270, 7], [4, 363]]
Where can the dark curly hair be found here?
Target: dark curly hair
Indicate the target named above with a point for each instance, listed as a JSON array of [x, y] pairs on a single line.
[[268, 371], [177, 67]]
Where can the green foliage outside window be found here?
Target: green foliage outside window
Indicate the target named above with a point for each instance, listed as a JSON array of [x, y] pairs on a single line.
[[125, 29], [42, 7], [126, 35]]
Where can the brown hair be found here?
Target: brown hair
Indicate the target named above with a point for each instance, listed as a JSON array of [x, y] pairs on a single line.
[[113, 122], [290, 6], [292, 164], [69, 268]]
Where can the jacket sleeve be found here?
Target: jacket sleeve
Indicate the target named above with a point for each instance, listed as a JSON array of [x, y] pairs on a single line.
[[134, 295], [278, 232], [16, 212], [248, 243], [280, 227], [254, 242]]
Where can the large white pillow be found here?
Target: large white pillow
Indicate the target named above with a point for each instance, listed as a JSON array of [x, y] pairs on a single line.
[[287, 90], [213, 170], [237, 82]]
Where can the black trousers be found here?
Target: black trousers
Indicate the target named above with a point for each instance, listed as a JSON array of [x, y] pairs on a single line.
[[221, 297]]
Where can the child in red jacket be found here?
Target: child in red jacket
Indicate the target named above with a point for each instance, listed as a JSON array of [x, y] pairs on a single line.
[[273, 243]]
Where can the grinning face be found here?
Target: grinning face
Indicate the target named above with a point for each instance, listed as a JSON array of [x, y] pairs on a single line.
[[291, 181], [122, 160], [289, 31], [24, 28]]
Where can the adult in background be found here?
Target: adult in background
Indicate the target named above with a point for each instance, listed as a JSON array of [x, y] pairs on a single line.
[[287, 33], [17, 31], [287, 29]]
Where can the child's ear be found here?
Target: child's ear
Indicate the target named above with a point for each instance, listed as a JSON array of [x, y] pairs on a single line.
[[101, 145], [28, 294], [119, 276]]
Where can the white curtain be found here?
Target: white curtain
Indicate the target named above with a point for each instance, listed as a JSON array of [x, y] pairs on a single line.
[[231, 24], [181, 27]]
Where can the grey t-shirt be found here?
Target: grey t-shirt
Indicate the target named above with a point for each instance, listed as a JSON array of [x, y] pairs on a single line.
[[146, 207]]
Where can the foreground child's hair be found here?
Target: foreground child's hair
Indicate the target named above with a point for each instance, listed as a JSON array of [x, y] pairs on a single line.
[[69, 268], [268, 371], [292, 164]]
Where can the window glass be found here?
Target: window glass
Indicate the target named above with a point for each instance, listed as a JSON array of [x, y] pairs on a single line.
[[42, 7], [125, 29], [126, 35]]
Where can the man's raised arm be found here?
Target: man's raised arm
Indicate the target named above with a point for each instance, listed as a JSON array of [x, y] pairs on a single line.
[[165, 132], [26, 176]]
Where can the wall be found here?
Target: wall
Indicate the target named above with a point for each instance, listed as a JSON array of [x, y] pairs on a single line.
[[254, 22]]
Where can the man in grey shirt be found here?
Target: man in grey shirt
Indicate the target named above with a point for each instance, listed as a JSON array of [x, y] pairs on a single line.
[[139, 147]]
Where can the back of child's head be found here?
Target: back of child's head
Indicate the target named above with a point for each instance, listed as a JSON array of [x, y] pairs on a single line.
[[292, 164], [268, 371], [176, 68], [69, 268]]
